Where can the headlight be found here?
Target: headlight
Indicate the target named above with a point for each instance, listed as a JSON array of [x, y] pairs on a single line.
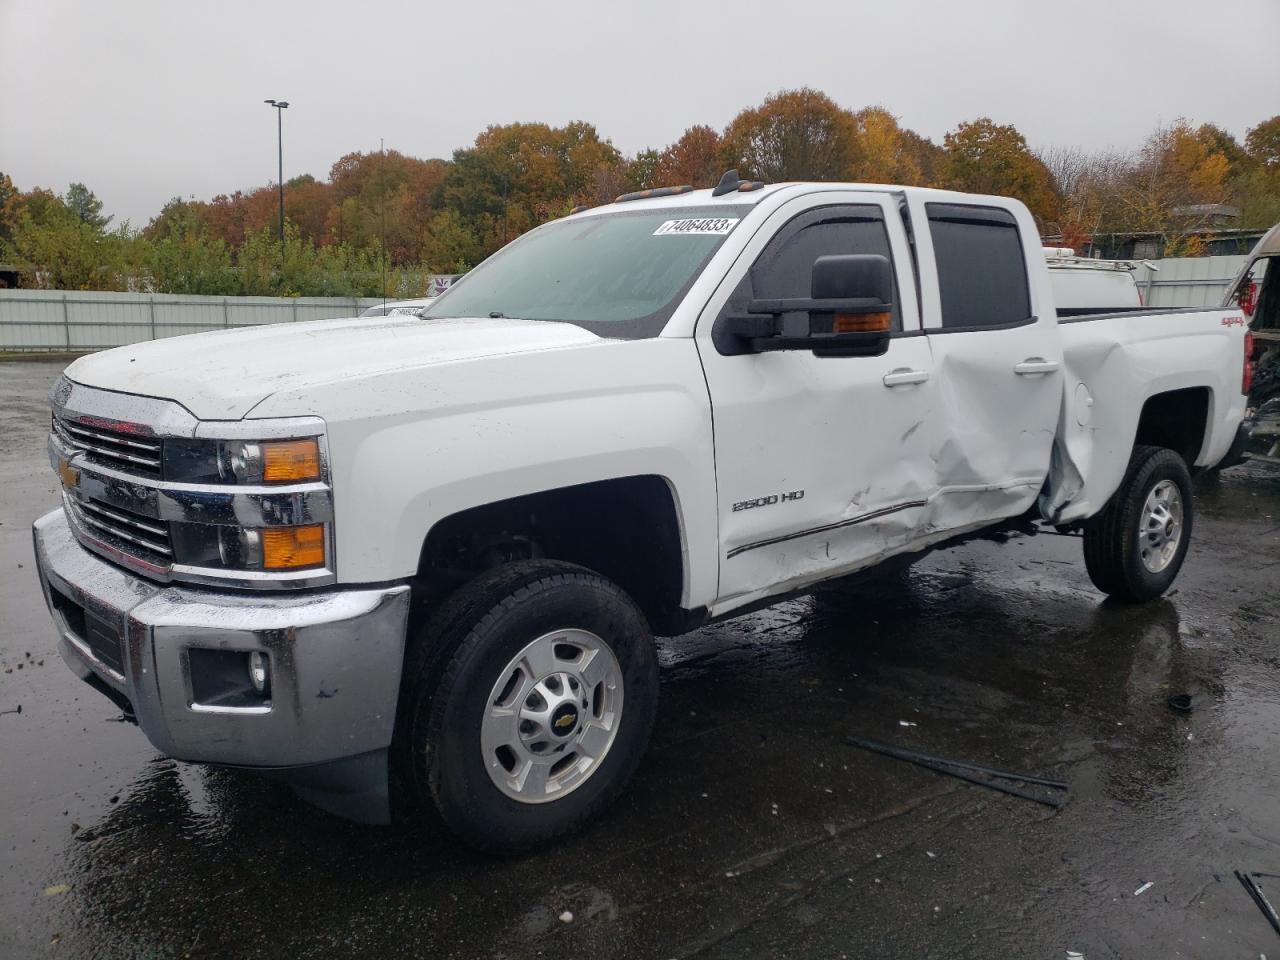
[[242, 461]]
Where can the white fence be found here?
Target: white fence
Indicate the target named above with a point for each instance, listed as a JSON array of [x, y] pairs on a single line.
[[1188, 281], [73, 320]]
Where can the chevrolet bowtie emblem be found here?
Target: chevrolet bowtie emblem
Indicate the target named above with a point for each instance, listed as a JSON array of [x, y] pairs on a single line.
[[568, 720]]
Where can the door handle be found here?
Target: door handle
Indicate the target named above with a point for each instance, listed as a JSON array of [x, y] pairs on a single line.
[[904, 376], [1034, 366]]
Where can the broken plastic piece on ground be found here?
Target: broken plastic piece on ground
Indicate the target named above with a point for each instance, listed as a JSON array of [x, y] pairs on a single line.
[[1180, 702], [1251, 886], [982, 776], [1144, 888]]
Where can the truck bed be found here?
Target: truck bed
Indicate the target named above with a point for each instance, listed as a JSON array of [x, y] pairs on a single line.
[[1113, 368]]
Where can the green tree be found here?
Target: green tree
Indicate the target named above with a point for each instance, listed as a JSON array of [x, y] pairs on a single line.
[[185, 259], [642, 171], [85, 206], [452, 246]]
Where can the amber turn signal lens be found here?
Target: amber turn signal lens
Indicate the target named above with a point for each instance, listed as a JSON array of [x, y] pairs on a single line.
[[861, 323], [287, 548], [290, 460]]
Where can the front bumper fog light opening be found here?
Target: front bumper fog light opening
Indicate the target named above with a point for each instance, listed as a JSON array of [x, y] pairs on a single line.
[[260, 673]]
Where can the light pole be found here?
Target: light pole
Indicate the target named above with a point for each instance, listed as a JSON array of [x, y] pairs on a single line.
[[281, 106]]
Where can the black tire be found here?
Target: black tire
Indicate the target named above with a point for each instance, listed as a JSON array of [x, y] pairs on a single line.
[[454, 664], [1112, 547]]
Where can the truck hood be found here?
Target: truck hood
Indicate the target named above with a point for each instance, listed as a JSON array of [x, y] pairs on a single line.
[[224, 374]]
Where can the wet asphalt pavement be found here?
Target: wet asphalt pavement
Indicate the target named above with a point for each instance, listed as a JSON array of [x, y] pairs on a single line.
[[751, 829]]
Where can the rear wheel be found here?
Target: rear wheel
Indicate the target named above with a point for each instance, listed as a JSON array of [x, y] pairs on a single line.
[[1135, 547], [538, 708]]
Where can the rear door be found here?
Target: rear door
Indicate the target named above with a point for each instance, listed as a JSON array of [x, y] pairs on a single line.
[[821, 462], [997, 359]]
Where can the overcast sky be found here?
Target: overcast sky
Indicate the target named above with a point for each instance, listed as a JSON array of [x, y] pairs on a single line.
[[147, 99]]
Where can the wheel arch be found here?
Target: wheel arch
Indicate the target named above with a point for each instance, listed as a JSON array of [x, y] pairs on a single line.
[[628, 529], [1177, 420]]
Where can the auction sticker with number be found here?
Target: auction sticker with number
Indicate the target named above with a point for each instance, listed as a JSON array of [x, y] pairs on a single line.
[[701, 226]]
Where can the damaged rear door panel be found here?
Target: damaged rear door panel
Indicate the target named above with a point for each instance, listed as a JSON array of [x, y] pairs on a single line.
[[997, 357]]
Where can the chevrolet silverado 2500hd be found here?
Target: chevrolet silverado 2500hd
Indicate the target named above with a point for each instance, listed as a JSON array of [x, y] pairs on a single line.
[[423, 557]]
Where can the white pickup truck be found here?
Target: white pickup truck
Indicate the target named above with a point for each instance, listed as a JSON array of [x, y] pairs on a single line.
[[422, 558]]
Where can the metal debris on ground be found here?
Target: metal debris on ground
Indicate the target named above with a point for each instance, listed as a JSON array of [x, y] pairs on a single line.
[[1143, 889], [17, 709], [1250, 883], [982, 776]]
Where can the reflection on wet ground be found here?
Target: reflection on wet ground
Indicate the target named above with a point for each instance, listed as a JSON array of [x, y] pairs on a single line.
[[751, 829]]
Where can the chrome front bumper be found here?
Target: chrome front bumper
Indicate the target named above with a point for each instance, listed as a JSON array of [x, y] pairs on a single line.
[[335, 658]]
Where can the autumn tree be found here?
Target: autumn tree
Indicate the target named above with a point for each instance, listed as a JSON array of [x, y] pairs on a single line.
[[925, 154], [983, 156], [693, 159], [882, 154], [1176, 180], [794, 135], [1263, 143], [522, 174], [382, 197], [10, 199]]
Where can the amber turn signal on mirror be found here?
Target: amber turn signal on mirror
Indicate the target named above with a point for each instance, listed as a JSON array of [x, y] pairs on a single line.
[[861, 323]]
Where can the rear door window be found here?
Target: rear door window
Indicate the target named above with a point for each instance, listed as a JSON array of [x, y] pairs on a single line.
[[982, 273]]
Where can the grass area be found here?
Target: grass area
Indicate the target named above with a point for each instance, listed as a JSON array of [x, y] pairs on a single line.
[[47, 356]]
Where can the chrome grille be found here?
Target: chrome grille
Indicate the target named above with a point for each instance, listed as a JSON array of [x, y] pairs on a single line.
[[122, 525], [127, 452]]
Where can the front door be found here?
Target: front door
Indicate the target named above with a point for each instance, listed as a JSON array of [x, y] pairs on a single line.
[[822, 463]]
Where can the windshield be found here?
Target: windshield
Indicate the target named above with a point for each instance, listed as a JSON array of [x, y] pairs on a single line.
[[616, 274]]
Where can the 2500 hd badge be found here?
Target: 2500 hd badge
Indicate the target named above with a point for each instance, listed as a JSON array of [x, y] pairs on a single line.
[[768, 501]]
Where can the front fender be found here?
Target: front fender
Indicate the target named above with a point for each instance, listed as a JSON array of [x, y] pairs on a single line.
[[411, 449]]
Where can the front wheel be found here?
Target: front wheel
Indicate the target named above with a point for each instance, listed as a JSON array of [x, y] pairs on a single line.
[[1134, 548], [540, 705]]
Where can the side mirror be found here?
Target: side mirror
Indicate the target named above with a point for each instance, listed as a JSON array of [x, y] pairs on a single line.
[[859, 290], [850, 311]]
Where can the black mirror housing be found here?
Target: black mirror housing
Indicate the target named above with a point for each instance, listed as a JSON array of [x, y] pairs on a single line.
[[853, 276]]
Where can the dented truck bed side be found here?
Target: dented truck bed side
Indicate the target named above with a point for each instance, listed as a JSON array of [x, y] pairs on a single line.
[[1116, 367]]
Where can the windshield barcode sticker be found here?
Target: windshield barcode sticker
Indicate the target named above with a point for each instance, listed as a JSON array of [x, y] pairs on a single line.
[[707, 225]]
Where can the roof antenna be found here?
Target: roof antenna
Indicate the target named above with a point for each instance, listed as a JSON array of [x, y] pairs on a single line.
[[728, 183]]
